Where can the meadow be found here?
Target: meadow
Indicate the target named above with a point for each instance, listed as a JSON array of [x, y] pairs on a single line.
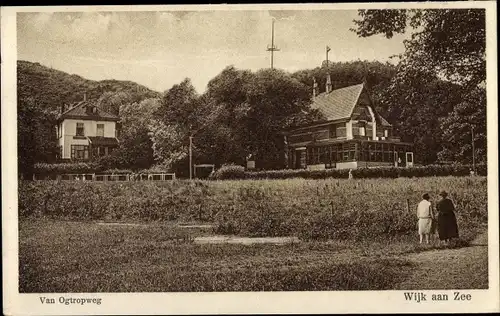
[[354, 234]]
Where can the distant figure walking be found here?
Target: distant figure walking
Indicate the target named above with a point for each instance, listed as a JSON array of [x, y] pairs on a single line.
[[447, 221], [425, 218], [350, 174]]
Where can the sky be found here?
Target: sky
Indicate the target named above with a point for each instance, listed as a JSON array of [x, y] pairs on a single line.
[[160, 49]]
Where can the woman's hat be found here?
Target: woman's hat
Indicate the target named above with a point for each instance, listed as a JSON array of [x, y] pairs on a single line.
[[443, 193]]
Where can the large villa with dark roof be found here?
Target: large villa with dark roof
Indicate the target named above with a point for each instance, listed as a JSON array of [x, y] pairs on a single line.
[[351, 135], [85, 132]]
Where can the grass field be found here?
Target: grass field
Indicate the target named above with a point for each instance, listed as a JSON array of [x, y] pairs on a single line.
[[357, 235]]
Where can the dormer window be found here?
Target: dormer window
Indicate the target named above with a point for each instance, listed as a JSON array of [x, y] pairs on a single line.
[[386, 133], [91, 109]]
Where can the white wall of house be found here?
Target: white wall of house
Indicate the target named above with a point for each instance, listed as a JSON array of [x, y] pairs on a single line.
[[68, 130], [346, 165], [348, 126]]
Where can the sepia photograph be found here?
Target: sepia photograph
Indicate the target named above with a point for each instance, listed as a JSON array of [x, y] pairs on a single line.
[[251, 149]]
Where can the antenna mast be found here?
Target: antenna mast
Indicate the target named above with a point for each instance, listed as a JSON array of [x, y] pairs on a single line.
[[272, 48], [327, 50]]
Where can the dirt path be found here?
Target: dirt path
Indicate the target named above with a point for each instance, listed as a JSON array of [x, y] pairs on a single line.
[[463, 268]]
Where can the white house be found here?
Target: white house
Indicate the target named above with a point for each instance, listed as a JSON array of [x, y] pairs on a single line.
[[85, 132]]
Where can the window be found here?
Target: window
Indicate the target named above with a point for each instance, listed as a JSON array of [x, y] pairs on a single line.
[[79, 152], [386, 133], [409, 157], [299, 138], [80, 129], [341, 131], [100, 130], [368, 130], [362, 131], [333, 130], [324, 155], [333, 153]]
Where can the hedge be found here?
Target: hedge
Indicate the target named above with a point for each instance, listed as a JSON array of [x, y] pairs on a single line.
[[45, 169], [233, 172], [64, 168]]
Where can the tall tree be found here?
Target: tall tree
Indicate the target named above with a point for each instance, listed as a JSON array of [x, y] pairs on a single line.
[[176, 118], [445, 44], [451, 41], [464, 127], [252, 109], [136, 147], [276, 101], [414, 102], [36, 135]]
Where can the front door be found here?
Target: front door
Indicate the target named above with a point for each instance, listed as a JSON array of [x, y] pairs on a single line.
[[399, 159], [300, 159], [409, 159]]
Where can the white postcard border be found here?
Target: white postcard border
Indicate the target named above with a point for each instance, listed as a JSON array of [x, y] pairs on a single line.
[[233, 302]]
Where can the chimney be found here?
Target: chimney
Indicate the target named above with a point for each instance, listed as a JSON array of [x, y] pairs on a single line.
[[315, 88], [328, 83]]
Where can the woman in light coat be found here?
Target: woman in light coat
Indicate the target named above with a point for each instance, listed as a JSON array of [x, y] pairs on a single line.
[[425, 218]]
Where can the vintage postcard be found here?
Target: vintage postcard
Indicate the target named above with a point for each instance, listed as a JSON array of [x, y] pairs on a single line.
[[230, 159]]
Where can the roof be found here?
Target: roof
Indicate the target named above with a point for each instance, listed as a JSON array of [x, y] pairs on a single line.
[[103, 141], [79, 111], [339, 103], [383, 121]]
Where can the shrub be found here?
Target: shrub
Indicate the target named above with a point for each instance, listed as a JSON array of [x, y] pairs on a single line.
[[155, 169], [229, 172]]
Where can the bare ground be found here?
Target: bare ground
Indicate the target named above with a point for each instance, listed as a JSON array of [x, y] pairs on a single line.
[[463, 268]]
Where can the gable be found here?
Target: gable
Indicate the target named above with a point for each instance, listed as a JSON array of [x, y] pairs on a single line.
[[79, 112], [362, 112]]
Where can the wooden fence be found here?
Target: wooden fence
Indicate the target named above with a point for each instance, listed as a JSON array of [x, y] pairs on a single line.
[[108, 177]]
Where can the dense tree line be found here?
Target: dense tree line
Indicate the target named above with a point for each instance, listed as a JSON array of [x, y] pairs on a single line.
[[435, 96], [438, 93]]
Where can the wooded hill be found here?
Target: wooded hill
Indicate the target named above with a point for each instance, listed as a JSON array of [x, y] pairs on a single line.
[[52, 88]]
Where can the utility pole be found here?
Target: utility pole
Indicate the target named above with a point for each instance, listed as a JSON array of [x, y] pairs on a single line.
[[473, 150], [272, 48], [190, 157]]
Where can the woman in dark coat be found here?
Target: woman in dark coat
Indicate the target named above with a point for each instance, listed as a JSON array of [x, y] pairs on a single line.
[[447, 221]]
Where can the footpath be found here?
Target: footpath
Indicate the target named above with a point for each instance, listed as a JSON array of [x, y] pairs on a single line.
[[462, 268]]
